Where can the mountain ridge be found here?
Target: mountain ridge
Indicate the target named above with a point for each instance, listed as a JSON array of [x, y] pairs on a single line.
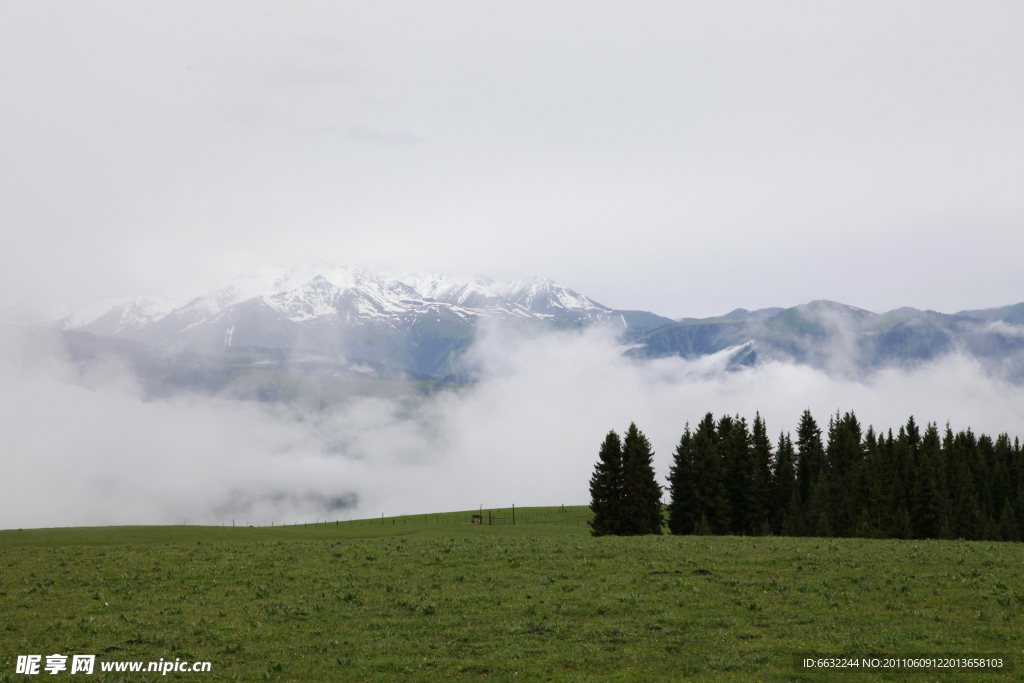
[[844, 338], [419, 321], [423, 324]]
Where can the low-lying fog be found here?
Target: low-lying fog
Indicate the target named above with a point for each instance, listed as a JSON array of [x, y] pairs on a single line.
[[88, 449]]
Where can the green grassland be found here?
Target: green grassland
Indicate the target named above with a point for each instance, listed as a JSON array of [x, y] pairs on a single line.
[[426, 598]]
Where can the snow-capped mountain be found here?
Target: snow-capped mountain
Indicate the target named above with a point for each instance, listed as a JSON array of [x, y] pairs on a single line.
[[332, 322], [416, 320], [327, 293]]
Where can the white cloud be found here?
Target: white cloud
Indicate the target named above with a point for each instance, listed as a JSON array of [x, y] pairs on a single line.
[[85, 451], [1004, 328]]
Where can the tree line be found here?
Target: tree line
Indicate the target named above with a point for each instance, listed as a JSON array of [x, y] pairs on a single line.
[[728, 478]]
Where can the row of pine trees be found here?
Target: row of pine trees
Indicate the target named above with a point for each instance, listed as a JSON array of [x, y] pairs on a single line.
[[728, 478]]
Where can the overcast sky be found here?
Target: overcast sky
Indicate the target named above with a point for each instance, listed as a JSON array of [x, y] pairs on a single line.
[[682, 158]]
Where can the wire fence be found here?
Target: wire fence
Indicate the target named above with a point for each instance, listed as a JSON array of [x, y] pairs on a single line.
[[555, 516]]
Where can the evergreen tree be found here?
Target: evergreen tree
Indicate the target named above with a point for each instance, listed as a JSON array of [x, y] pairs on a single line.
[[894, 505], [709, 490], [784, 492], [984, 471], [761, 450], [928, 516], [901, 527], [683, 510], [1008, 523], [810, 470], [871, 496], [967, 520], [642, 500], [845, 456], [1015, 468], [1003, 482], [824, 529], [607, 488], [817, 507], [903, 466], [913, 437], [741, 484], [1020, 518], [991, 532], [722, 431], [793, 518], [998, 489]]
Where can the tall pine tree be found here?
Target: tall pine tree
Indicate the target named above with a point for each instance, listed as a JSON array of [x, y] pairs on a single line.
[[642, 501], [712, 503], [761, 450], [810, 458], [741, 483], [785, 495], [845, 457], [683, 511], [928, 514], [607, 488], [871, 498], [811, 472]]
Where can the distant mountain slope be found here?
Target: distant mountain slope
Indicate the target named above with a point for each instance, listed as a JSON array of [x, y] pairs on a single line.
[[245, 373], [1013, 315], [740, 314], [417, 326], [841, 337], [418, 321]]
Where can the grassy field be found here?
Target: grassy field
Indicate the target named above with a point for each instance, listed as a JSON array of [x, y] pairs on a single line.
[[426, 598]]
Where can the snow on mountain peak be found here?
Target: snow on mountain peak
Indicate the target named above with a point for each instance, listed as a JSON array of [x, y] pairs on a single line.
[[321, 289]]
